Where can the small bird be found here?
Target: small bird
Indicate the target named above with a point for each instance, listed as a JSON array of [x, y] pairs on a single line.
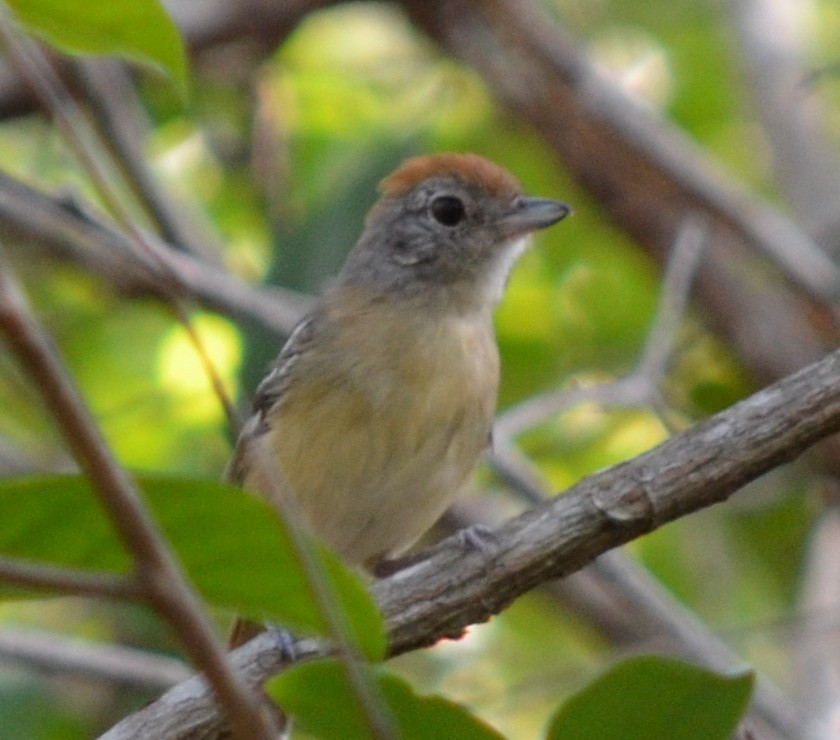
[[380, 404]]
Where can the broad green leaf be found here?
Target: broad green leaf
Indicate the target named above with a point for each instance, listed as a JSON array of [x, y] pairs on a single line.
[[654, 698], [230, 543], [139, 30], [321, 699]]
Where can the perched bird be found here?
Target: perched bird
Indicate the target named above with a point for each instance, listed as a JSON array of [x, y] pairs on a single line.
[[381, 402]]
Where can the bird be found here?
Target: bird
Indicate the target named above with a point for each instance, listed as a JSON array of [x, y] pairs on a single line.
[[380, 403]]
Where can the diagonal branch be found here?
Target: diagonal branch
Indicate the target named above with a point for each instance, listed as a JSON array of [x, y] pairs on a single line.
[[627, 606], [647, 175], [64, 229], [457, 585], [700, 467], [156, 570]]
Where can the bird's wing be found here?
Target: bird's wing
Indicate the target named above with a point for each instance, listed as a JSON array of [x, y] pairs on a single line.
[[269, 393]]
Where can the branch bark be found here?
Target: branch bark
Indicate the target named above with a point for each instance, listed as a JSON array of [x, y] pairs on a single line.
[[66, 230], [458, 584]]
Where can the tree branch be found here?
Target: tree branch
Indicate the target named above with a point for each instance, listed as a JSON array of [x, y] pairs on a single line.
[[41, 576], [457, 585], [157, 572], [817, 645], [110, 663], [771, 42], [69, 231], [647, 175], [625, 604]]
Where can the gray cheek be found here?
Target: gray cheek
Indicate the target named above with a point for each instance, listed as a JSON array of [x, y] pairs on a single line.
[[406, 254]]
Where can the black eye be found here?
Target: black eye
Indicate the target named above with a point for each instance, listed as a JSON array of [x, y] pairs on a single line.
[[448, 210]]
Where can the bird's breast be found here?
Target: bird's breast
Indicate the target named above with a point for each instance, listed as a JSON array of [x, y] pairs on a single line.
[[382, 428]]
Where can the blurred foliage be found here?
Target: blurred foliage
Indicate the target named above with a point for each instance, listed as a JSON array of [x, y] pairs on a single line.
[[282, 162], [135, 29]]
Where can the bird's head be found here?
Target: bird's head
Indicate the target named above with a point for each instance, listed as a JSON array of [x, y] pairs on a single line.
[[450, 222]]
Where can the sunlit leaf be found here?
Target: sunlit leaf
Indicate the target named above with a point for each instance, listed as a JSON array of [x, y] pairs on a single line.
[[139, 30]]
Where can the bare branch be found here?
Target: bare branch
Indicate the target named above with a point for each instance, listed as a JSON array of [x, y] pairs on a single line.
[[113, 664], [770, 35], [681, 269], [165, 586], [68, 581], [188, 711], [457, 585], [622, 601], [85, 237], [639, 388], [818, 640]]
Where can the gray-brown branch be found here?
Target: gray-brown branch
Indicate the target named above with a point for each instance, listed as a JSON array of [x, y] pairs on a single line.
[[458, 584]]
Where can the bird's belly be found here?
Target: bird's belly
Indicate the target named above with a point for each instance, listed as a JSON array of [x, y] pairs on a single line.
[[373, 464]]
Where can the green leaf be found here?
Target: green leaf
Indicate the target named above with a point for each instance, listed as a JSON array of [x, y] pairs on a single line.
[[230, 543], [139, 30], [653, 698], [320, 698]]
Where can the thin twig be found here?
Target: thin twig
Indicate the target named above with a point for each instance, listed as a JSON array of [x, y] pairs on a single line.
[[817, 648], [113, 664], [680, 271], [108, 90], [35, 68], [640, 387], [70, 581], [165, 586]]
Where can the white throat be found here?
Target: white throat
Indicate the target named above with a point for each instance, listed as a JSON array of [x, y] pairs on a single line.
[[499, 270]]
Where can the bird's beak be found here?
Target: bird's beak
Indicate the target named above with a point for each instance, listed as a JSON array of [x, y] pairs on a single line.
[[530, 214]]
